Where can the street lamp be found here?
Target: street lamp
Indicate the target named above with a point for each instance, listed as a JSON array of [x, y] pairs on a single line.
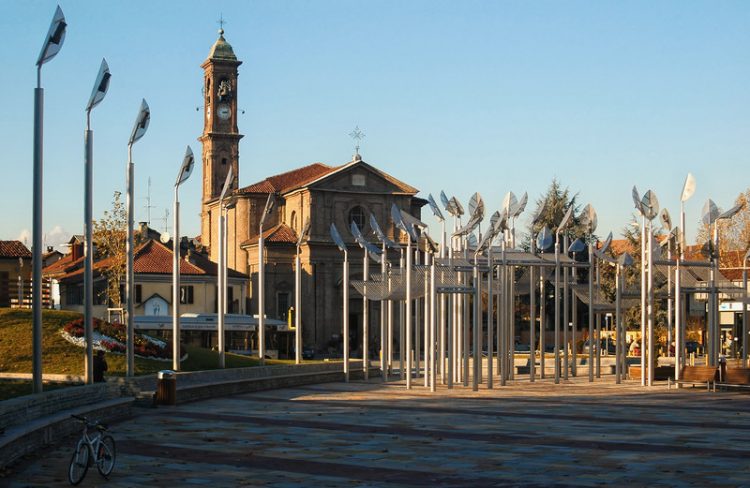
[[298, 294], [222, 269], [139, 129], [97, 95], [261, 282], [52, 44], [188, 162]]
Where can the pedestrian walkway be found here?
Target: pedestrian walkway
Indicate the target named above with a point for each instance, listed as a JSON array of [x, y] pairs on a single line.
[[370, 434]]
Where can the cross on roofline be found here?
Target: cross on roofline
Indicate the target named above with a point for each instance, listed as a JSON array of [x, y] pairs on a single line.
[[357, 135], [221, 22]]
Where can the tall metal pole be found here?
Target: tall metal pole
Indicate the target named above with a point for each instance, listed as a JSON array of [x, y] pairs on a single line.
[[261, 299], [591, 310], [129, 273], [50, 48], [176, 282], [566, 315], [36, 239], [409, 258], [88, 275], [557, 309], [744, 341], [574, 321], [433, 324], [365, 318], [532, 318], [345, 284], [443, 307], [221, 293], [297, 308], [618, 322], [490, 305], [643, 300], [477, 356], [650, 278]]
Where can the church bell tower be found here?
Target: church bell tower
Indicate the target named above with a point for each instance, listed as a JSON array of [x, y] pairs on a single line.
[[220, 136]]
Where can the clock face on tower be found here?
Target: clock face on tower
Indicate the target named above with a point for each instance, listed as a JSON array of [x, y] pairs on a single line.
[[224, 112]]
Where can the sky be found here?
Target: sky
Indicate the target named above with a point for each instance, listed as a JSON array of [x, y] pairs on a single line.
[[469, 96]]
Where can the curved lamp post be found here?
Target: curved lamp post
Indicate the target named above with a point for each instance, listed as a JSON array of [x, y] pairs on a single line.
[[97, 95], [139, 129], [52, 44], [188, 162], [221, 305]]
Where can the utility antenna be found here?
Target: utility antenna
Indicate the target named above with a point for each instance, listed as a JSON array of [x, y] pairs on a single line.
[[357, 135], [166, 220], [148, 203]]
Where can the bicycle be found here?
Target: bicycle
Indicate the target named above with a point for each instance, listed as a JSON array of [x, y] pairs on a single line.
[[98, 449]]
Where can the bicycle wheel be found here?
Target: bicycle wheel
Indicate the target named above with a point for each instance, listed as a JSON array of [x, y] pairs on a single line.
[[79, 463], [106, 457]]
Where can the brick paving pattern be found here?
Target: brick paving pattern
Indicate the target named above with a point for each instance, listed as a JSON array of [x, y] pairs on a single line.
[[370, 434]]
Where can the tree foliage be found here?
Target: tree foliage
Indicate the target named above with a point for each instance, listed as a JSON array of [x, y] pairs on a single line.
[[110, 236]]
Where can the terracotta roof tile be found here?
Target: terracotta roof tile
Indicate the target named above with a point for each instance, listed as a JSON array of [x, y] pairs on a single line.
[[280, 233], [151, 257], [14, 249], [290, 180]]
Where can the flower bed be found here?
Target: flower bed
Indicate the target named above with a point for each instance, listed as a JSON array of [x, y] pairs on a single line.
[[112, 337]]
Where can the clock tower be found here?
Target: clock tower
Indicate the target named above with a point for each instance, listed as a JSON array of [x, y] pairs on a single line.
[[220, 136]]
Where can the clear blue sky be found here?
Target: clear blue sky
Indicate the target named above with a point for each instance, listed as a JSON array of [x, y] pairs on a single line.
[[456, 96]]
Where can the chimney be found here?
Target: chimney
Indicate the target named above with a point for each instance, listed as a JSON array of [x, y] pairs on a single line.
[[77, 250]]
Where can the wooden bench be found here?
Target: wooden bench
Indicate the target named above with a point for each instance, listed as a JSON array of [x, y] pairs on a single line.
[[735, 378], [695, 375]]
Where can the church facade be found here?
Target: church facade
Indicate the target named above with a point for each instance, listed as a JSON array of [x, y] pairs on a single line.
[[321, 193]]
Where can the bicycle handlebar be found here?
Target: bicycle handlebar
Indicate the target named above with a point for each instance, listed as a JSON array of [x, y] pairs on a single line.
[[95, 423]]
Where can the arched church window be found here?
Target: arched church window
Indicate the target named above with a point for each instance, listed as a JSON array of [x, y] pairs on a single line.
[[224, 161], [293, 221], [357, 215]]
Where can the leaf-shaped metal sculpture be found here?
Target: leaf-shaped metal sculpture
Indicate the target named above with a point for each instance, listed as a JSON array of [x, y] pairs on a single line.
[[435, 209], [636, 200], [444, 200], [471, 241], [363, 243], [458, 209], [267, 209], [381, 235], [337, 238], [666, 220], [539, 213], [625, 259], [101, 85], [650, 205], [469, 227], [688, 188], [304, 232], [731, 212], [509, 200], [494, 218], [519, 207], [606, 244], [398, 219], [566, 218], [577, 246], [186, 169], [544, 239], [710, 212], [588, 218], [476, 206]]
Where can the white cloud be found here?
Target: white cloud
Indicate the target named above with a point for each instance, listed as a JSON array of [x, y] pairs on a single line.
[[58, 238], [25, 237]]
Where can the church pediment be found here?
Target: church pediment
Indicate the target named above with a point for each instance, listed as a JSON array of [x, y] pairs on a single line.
[[360, 177]]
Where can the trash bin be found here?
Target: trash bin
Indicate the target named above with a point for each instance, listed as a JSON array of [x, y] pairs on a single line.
[[166, 389]]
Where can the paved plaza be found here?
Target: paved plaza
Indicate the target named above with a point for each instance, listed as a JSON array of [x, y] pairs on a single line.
[[370, 434]]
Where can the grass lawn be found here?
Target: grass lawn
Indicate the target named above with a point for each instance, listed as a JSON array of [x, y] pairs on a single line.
[[61, 357]]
